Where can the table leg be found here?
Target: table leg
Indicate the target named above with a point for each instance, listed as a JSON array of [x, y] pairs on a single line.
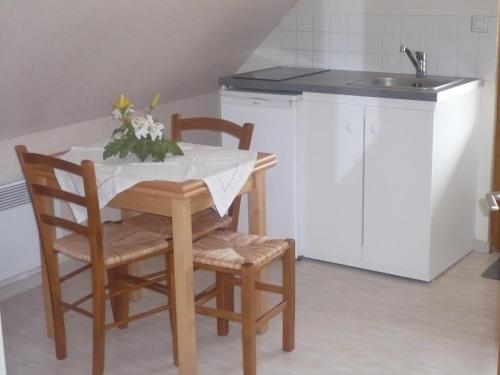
[[184, 286], [133, 268], [257, 225]]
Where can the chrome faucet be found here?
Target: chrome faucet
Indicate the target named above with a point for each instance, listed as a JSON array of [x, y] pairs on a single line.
[[419, 60]]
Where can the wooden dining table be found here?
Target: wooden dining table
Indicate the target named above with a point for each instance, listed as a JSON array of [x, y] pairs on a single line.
[[180, 200]]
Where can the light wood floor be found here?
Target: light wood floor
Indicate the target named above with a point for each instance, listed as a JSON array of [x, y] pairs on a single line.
[[348, 322]]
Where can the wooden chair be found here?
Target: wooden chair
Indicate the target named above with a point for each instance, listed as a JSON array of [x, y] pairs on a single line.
[[105, 248], [242, 133], [237, 259], [208, 220]]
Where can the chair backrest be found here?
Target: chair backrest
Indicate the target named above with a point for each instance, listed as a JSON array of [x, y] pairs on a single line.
[[43, 191], [242, 133]]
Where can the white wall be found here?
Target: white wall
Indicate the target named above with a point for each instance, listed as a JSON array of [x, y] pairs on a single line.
[[63, 61], [81, 133], [366, 35]]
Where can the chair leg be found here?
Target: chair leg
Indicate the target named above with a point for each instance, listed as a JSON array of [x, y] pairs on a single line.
[[225, 301], [120, 303], [248, 313], [99, 323], [169, 263], [57, 312], [289, 296]]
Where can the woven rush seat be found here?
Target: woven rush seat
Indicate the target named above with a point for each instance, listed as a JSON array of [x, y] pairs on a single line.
[[203, 223], [231, 250], [121, 243]]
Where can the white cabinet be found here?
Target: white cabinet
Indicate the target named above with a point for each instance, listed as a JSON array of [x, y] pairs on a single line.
[[276, 127], [332, 198], [388, 185]]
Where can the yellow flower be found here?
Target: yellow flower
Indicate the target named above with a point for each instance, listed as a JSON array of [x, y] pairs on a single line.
[[122, 102], [155, 101]]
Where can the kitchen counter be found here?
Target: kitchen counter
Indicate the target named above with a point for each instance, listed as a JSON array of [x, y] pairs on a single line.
[[341, 82]]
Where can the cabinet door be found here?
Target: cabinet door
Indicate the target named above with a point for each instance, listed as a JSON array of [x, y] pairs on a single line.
[[332, 176], [397, 187]]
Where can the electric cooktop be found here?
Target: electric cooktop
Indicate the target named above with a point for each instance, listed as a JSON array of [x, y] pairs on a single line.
[[279, 73]]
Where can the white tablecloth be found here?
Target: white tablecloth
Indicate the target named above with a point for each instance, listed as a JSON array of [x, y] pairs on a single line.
[[225, 171]]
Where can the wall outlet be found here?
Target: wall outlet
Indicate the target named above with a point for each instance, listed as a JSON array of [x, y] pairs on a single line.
[[479, 24]]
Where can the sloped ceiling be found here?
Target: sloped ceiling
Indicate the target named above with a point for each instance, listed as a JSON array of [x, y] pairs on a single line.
[[64, 61]]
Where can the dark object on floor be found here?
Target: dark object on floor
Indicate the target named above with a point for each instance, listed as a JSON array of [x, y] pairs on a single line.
[[493, 271]]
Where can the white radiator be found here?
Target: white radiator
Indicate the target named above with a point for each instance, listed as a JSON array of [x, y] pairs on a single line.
[[3, 370], [19, 243]]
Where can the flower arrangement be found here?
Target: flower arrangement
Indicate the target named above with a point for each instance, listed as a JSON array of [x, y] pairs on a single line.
[[139, 133]]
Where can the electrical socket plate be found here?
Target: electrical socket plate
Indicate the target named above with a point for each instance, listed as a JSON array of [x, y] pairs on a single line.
[[479, 24]]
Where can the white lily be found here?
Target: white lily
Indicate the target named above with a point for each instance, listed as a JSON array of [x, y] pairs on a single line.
[[144, 125], [118, 115]]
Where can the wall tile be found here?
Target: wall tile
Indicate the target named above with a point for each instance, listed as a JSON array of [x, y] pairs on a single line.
[[467, 45], [355, 23], [448, 25], [464, 25], [392, 24], [355, 61], [338, 42], [289, 22], [429, 25], [432, 65], [321, 41], [304, 22], [305, 40], [405, 65], [338, 60], [447, 66], [338, 23], [413, 42], [467, 67], [391, 44], [288, 58], [288, 40], [429, 44], [447, 46], [355, 42], [321, 22], [410, 25], [372, 62], [390, 63], [373, 43], [486, 46], [305, 58], [486, 69], [374, 24], [321, 59], [492, 26]]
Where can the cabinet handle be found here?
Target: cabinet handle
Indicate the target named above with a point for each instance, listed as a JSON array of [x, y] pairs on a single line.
[[349, 128]]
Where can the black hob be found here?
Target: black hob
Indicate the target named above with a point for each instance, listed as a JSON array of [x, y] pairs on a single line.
[[279, 73]]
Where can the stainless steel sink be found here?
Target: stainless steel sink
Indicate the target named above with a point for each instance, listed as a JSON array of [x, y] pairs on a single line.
[[409, 82]]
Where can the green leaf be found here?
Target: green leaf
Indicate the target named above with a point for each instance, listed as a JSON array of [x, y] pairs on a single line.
[[173, 147]]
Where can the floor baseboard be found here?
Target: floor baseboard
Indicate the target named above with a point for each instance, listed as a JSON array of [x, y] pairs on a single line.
[[481, 246]]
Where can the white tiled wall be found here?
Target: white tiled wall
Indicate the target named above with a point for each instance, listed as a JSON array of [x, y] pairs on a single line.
[[372, 41]]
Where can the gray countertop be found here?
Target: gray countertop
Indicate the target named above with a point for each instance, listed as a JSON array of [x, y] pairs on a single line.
[[340, 82]]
